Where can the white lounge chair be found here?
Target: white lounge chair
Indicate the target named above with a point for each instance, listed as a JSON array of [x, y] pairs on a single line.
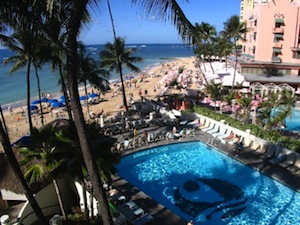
[[220, 133], [215, 130], [211, 126]]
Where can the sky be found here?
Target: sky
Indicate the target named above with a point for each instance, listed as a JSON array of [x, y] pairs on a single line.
[[137, 29]]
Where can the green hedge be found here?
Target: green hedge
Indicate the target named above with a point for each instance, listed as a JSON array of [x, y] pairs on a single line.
[[273, 136]]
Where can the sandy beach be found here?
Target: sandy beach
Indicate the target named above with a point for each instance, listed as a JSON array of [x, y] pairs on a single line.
[[111, 102]]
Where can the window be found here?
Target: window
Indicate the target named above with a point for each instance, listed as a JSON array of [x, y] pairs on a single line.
[[296, 55], [254, 36]]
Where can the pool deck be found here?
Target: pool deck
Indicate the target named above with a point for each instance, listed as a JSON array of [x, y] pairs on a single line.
[[253, 158]]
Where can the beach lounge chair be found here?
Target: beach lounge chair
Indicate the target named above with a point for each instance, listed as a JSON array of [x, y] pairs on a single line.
[[206, 125], [210, 127], [144, 219], [270, 151], [278, 159], [295, 167], [225, 135], [231, 137], [290, 159], [214, 130], [236, 140], [221, 132], [195, 123], [127, 206]]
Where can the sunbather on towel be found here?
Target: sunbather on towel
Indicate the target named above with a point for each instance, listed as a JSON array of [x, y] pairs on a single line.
[[228, 138]]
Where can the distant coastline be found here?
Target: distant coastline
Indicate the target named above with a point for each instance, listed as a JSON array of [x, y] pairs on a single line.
[[14, 89]]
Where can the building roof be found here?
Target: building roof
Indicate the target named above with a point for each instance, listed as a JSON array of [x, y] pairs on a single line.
[[262, 78]]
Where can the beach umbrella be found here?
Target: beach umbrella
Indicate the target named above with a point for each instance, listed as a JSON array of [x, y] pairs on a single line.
[[93, 95], [44, 100], [63, 100], [82, 98], [52, 100], [35, 102], [33, 107], [57, 104]]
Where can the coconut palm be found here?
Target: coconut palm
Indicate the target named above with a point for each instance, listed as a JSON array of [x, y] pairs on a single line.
[[89, 72], [19, 174], [215, 91], [54, 151], [245, 101], [21, 44], [237, 30], [223, 47], [115, 56], [75, 15], [207, 34]]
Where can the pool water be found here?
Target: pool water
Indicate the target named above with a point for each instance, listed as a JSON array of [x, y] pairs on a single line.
[[196, 181], [293, 122]]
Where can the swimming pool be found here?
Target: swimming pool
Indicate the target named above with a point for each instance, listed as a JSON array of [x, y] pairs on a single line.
[[293, 122], [196, 181]]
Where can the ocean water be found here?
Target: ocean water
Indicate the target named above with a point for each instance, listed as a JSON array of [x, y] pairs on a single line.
[[13, 87]]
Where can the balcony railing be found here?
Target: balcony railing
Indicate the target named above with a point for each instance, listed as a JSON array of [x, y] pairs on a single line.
[[276, 59], [278, 30], [296, 48]]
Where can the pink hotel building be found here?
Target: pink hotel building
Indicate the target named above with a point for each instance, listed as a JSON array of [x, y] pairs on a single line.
[[271, 52]]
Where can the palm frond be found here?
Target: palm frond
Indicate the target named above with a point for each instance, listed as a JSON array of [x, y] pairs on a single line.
[[169, 10]]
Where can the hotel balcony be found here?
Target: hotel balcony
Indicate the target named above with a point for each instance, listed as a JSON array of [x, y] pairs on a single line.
[[278, 30], [277, 45], [276, 59], [296, 48]]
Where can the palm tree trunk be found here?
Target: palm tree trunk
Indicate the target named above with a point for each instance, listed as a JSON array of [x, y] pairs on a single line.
[[235, 65], [60, 201], [87, 102], [203, 75], [15, 167], [39, 92], [72, 71], [119, 61], [28, 95], [64, 89], [123, 86]]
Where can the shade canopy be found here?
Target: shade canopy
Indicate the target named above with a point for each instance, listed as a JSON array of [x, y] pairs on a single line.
[[93, 95], [57, 104], [44, 100], [35, 102], [82, 98], [33, 107], [52, 101]]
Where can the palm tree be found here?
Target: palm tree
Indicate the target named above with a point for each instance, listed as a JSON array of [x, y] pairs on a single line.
[[223, 47], [75, 14], [89, 72], [215, 91], [56, 146], [115, 55], [236, 30], [245, 102], [15, 166], [21, 43], [207, 35]]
